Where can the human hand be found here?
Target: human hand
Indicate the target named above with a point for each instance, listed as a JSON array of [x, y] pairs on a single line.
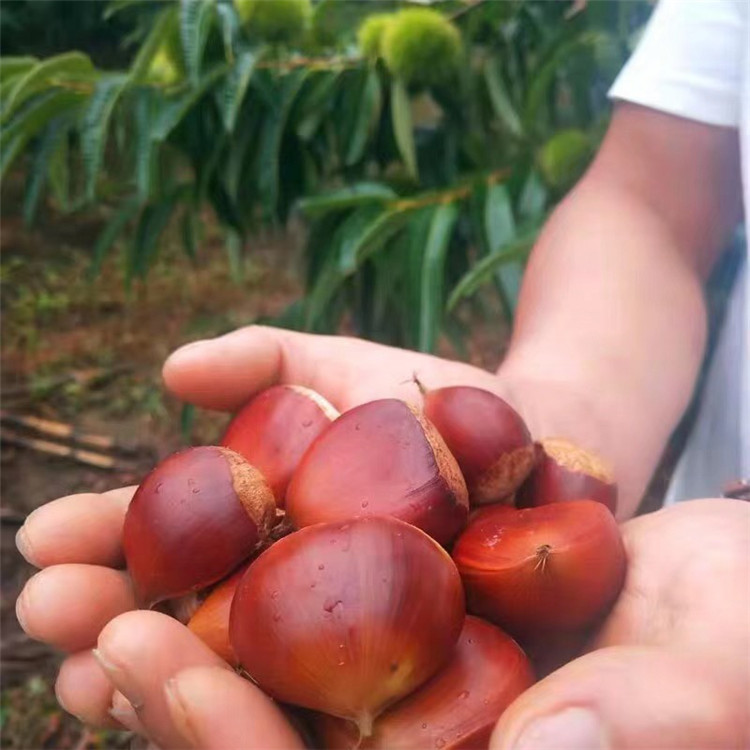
[[671, 665], [218, 374]]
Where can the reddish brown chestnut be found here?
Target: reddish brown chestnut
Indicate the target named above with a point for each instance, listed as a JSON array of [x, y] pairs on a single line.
[[380, 458], [457, 708], [211, 620], [347, 618], [487, 436], [552, 568], [275, 428], [565, 471], [194, 518]]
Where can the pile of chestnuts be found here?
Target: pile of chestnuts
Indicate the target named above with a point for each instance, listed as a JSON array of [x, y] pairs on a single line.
[[332, 559]]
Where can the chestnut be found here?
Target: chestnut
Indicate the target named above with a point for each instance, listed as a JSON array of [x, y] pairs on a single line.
[[457, 708], [553, 568], [565, 471], [210, 622], [274, 429], [380, 458], [347, 618], [487, 436], [195, 517]]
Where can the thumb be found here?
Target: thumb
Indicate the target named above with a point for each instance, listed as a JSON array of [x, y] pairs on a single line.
[[625, 697], [214, 709]]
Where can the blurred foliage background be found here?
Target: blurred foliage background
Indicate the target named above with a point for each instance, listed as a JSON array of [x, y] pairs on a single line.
[[422, 145], [172, 170]]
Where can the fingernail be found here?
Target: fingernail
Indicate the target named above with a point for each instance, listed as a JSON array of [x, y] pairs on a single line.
[[120, 679], [23, 545], [22, 608], [570, 729], [122, 711], [179, 714], [188, 349]]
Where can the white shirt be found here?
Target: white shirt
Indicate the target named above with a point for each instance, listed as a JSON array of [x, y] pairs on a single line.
[[694, 61]]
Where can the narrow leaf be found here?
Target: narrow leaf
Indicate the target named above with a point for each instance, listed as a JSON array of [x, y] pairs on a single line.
[[270, 143], [402, 127], [230, 27], [433, 272], [152, 223], [189, 233], [95, 126], [108, 236], [59, 173], [483, 271], [500, 230], [196, 17], [170, 113], [163, 26], [349, 197], [500, 99], [39, 168], [65, 67], [368, 113], [533, 199], [232, 92]]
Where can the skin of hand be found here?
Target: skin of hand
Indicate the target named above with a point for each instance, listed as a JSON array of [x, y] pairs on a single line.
[[666, 671]]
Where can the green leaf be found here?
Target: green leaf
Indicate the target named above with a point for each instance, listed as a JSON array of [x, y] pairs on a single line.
[[145, 147], [187, 422], [196, 17], [230, 27], [548, 68], [189, 233], [363, 232], [316, 103], [500, 99], [59, 69], [164, 25], [500, 230], [171, 112], [270, 142], [59, 178], [152, 223], [234, 246], [348, 197], [11, 67], [483, 271], [30, 119], [108, 236], [533, 199], [368, 113], [39, 168], [371, 238], [403, 129], [95, 126], [116, 6], [433, 272], [232, 92]]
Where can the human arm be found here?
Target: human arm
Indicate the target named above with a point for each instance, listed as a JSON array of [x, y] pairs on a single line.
[[611, 313]]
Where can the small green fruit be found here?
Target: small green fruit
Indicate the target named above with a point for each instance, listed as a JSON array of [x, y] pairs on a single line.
[[564, 157], [167, 66], [275, 20], [370, 34], [421, 46]]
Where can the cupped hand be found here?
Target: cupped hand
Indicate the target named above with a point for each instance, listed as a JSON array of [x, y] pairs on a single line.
[[671, 670]]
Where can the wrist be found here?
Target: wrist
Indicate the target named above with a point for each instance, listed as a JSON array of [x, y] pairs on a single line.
[[590, 409]]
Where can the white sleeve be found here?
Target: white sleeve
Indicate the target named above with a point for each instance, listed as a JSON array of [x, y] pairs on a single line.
[[689, 61]]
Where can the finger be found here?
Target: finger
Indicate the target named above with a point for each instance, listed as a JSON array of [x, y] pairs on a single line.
[[140, 652], [626, 697], [84, 691], [215, 709], [68, 605], [222, 373], [84, 528]]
